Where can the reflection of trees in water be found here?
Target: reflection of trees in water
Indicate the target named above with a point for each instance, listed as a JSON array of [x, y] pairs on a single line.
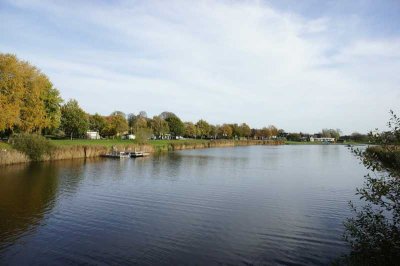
[[27, 193]]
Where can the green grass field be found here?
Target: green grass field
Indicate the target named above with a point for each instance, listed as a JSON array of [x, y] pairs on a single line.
[[4, 145], [155, 143], [111, 142]]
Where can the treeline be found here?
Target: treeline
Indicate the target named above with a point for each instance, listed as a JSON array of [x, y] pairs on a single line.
[[75, 122], [30, 104]]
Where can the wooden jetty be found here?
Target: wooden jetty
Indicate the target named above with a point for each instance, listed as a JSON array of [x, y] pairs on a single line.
[[138, 154], [125, 154], [117, 154]]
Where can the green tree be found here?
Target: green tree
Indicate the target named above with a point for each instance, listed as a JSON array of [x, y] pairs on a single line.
[[52, 104], [176, 126], [273, 131], [266, 132], [74, 121], [236, 132], [203, 128], [117, 123], [160, 126], [190, 130], [164, 115], [294, 137], [331, 133], [245, 130], [358, 137], [108, 130], [374, 230], [214, 131], [140, 122], [225, 131], [97, 122]]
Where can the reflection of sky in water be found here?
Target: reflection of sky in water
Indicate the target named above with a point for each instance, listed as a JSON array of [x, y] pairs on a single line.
[[259, 204]]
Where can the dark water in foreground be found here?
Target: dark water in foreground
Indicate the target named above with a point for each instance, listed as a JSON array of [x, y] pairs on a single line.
[[248, 205]]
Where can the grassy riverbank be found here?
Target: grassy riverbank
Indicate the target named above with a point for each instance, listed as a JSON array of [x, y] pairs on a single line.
[[82, 148], [119, 142], [321, 143], [155, 143], [70, 149]]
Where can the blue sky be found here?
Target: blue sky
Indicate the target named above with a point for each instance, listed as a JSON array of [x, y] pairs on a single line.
[[300, 65]]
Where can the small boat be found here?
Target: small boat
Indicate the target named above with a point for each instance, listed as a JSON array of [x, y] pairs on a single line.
[[135, 154]]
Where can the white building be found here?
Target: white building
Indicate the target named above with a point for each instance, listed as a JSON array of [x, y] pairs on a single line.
[[129, 136], [92, 135], [322, 139]]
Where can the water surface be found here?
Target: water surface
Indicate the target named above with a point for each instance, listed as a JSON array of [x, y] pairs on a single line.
[[244, 205]]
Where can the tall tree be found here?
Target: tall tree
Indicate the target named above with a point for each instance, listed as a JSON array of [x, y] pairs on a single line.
[[164, 115], [236, 133], [225, 131], [97, 122], [245, 130], [140, 122], [74, 121], [176, 126], [214, 131], [331, 133], [159, 126], [273, 130], [190, 130], [203, 128], [117, 123], [28, 101], [52, 104], [11, 91]]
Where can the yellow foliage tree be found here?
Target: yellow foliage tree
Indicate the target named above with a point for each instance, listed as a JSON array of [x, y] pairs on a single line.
[[28, 101]]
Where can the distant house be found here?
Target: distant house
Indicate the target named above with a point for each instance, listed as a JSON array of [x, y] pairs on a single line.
[[92, 135], [322, 139]]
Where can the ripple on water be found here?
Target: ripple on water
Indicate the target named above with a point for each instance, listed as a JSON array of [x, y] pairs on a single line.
[[247, 205]]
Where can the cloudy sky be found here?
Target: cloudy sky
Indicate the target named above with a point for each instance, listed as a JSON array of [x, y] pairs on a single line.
[[300, 65]]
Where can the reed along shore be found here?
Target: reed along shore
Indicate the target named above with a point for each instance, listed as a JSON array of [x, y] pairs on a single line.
[[71, 149]]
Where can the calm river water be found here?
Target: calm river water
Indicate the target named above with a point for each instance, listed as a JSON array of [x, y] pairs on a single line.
[[243, 205]]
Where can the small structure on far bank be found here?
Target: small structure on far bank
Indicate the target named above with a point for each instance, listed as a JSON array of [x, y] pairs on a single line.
[[322, 139], [129, 136], [92, 135]]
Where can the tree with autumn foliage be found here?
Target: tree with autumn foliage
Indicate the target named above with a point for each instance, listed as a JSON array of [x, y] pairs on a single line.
[[28, 101]]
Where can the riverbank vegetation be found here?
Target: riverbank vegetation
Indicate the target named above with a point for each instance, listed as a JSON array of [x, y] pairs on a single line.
[[30, 104], [374, 230], [33, 145]]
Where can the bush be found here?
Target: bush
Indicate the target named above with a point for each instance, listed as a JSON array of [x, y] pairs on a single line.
[[33, 145], [143, 135], [373, 231]]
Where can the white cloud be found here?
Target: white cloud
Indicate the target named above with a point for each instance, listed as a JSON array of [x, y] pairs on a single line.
[[222, 61]]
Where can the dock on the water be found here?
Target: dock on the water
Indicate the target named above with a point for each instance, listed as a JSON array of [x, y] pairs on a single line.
[[125, 154], [139, 154], [117, 154]]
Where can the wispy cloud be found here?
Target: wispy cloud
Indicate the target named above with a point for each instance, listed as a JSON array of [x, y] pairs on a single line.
[[222, 61]]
